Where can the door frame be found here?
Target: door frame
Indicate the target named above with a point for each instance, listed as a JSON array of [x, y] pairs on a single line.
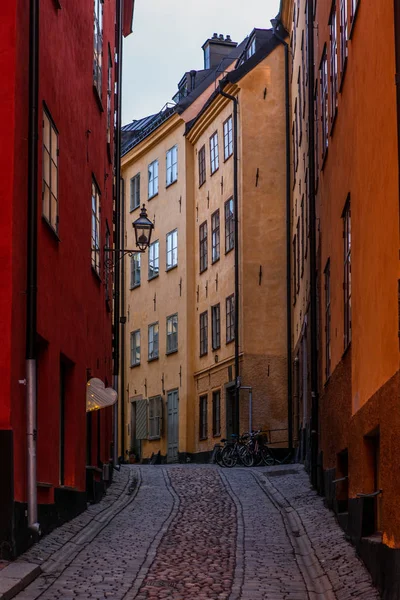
[[167, 415]]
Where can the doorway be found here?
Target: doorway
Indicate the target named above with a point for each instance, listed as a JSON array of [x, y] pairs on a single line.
[[173, 426], [232, 411]]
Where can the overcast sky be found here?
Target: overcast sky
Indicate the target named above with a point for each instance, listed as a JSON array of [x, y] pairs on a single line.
[[167, 39]]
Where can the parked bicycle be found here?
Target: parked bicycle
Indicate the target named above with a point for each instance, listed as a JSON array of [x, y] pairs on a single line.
[[257, 445], [237, 450]]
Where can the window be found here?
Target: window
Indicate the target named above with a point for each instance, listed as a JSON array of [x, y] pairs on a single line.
[[353, 8], [172, 165], [153, 341], [299, 95], [109, 96], [153, 179], [327, 274], [229, 225], [155, 417], [216, 412], [172, 333], [228, 138], [98, 45], [135, 348], [154, 259], [298, 254], [316, 134], [215, 236], [95, 227], [202, 165], [216, 326], [347, 273], [207, 57], [107, 257], [302, 236], [204, 333], [214, 158], [343, 35], [296, 135], [334, 61], [294, 267], [252, 48], [230, 318], [135, 270], [306, 216], [172, 249], [135, 192], [203, 246], [323, 74], [203, 418], [50, 172]]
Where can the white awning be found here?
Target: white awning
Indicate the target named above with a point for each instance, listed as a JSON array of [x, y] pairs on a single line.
[[98, 396]]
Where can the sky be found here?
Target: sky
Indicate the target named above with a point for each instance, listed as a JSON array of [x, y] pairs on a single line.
[[167, 39]]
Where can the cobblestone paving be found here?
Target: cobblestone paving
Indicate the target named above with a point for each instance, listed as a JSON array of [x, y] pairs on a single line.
[[200, 532]]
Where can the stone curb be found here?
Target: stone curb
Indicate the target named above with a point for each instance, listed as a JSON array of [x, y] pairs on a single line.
[[317, 582], [18, 575]]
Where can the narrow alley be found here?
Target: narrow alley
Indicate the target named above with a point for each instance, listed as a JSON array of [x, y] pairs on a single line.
[[199, 532]]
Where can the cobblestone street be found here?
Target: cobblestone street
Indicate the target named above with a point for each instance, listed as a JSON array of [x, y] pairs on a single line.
[[196, 532]]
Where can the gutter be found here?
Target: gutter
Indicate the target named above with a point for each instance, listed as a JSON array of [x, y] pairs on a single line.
[[117, 264], [236, 209], [31, 290], [288, 243]]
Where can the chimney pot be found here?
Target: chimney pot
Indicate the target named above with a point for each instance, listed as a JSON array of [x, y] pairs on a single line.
[[215, 35], [228, 38], [221, 36]]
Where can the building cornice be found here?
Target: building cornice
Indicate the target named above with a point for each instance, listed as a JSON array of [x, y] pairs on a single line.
[[152, 140], [209, 114]]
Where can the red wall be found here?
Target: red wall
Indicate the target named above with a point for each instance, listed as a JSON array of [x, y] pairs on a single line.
[[73, 322]]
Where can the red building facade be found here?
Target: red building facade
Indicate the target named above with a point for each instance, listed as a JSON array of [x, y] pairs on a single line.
[[77, 65]]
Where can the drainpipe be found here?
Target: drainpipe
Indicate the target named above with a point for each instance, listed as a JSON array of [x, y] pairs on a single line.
[[275, 23], [236, 210], [313, 250], [31, 293], [117, 265], [123, 321], [397, 51]]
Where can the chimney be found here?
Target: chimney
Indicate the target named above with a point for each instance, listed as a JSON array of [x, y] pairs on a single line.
[[216, 48]]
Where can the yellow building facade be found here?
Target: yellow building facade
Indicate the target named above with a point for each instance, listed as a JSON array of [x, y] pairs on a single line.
[[182, 401]]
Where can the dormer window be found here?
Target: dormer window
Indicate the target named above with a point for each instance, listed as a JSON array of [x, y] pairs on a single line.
[[252, 48], [207, 57]]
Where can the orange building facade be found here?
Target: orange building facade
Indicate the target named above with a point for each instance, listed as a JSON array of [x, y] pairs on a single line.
[[356, 194]]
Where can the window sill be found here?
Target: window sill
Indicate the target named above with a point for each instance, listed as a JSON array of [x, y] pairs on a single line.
[[171, 352], [333, 121], [346, 350], [131, 210], [217, 348], [343, 73], [202, 439], [168, 185], [353, 20], [134, 287], [96, 274], [153, 196], [228, 157], [324, 159], [98, 98], [154, 438], [203, 354], [50, 228], [203, 270], [211, 174], [152, 277], [135, 365], [171, 268], [149, 360], [201, 184], [217, 435], [229, 250], [216, 260], [230, 341]]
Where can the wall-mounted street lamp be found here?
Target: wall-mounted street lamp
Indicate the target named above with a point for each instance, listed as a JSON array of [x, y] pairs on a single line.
[[143, 229]]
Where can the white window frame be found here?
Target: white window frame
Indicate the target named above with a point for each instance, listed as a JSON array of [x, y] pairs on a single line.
[[215, 236], [98, 45], [152, 186], [172, 249], [228, 138], [135, 270], [153, 341], [172, 333], [171, 161], [214, 153], [95, 227], [134, 192], [155, 417], [154, 260], [216, 326], [252, 48], [135, 348], [50, 172]]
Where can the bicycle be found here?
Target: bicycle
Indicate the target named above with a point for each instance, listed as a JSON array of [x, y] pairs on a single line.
[[257, 445], [237, 450]]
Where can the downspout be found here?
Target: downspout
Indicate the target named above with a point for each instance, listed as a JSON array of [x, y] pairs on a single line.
[[31, 292], [313, 250], [236, 210], [397, 52], [288, 243], [118, 258], [123, 321]]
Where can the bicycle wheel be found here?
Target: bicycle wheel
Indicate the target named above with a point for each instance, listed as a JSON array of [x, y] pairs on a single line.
[[266, 456], [218, 457], [246, 456], [229, 456]]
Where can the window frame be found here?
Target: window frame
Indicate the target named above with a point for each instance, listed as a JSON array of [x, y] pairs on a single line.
[[170, 251], [203, 247], [328, 356], [324, 94], [216, 414], [173, 167], [96, 231], [228, 138], [171, 334], [134, 361], [230, 318], [203, 321], [229, 225], [136, 267], [216, 326], [155, 417], [98, 47], [203, 417], [152, 180], [134, 197], [344, 37], [155, 341], [347, 325], [153, 261], [302, 229], [334, 75], [215, 237], [202, 165], [214, 153], [48, 157]]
